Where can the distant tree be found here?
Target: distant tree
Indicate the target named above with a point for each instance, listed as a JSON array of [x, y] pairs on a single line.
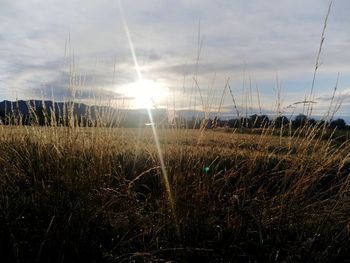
[[338, 123], [312, 122], [323, 123], [259, 121], [234, 123], [300, 120], [2, 116], [40, 114], [281, 121], [254, 119], [246, 122], [264, 120]]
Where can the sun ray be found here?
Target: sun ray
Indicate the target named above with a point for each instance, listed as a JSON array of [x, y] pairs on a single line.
[[154, 130]]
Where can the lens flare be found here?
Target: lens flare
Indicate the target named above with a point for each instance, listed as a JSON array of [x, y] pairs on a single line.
[[154, 130]]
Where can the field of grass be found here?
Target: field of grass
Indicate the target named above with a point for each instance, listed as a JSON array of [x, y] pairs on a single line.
[[100, 195]]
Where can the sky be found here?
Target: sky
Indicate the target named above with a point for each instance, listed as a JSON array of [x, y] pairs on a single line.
[[186, 52]]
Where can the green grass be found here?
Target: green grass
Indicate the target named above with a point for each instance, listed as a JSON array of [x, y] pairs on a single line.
[[98, 195]]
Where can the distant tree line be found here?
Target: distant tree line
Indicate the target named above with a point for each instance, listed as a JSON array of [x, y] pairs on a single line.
[[72, 114], [259, 121]]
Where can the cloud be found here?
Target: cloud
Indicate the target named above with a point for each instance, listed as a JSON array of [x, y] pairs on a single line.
[[61, 93], [261, 38], [343, 96]]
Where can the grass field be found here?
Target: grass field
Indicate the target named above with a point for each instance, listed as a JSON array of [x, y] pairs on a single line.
[[100, 195]]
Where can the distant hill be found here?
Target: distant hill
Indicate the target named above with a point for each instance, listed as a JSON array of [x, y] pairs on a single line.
[[79, 114], [61, 113]]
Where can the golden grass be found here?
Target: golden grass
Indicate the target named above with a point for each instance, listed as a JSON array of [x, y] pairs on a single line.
[[98, 194]]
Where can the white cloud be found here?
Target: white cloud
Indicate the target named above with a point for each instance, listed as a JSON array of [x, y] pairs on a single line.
[[262, 37]]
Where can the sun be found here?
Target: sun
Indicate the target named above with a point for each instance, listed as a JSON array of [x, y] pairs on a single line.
[[144, 93]]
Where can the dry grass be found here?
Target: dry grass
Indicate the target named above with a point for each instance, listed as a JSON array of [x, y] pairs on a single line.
[[70, 194], [97, 194]]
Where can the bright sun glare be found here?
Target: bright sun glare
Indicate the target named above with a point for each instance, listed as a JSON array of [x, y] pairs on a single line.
[[144, 93]]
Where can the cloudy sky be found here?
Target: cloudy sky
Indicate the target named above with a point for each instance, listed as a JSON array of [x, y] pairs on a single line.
[[49, 47]]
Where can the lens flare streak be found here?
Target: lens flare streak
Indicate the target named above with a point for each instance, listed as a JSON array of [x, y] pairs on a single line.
[[150, 116]]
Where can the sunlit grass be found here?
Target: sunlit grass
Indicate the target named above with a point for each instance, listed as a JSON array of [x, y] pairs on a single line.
[[98, 193]]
